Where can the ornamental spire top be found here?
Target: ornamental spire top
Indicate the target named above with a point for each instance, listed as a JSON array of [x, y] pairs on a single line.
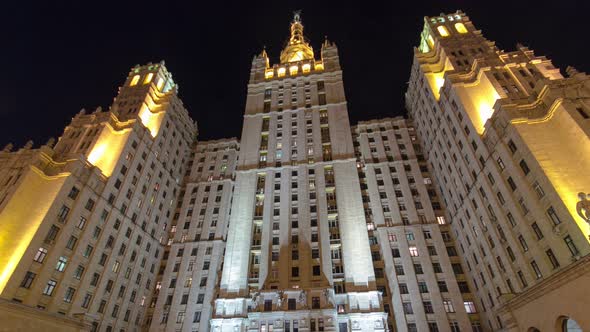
[[297, 48]]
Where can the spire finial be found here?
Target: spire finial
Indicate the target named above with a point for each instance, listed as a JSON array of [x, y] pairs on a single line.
[[297, 16]]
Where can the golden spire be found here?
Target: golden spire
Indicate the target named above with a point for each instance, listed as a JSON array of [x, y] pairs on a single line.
[[297, 48]]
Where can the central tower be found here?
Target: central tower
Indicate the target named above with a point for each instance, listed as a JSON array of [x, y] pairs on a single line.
[[297, 254]]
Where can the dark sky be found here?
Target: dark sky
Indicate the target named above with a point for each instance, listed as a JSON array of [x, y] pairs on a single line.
[[60, 56]]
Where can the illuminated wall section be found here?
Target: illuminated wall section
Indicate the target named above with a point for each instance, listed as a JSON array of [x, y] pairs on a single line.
[[106, 151], [21, 217], [437, 79], [478, 99], [356, 253], [234, 278], [562, 148], [150, 115]]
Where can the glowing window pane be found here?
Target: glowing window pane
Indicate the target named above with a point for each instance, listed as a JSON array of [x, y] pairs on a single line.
[[293, 70], [306, 68], [442, 31], [460, 27], [148, 78], [281, 72], [269, 73], [134, 80], [160, 84], [319, 66]]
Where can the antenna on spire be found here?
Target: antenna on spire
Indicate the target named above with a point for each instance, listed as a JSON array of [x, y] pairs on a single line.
[[297, 16]]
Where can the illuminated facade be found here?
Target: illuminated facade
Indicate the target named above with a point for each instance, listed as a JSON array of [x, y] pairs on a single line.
[[297, 256], [83, 224], [416, 262], [507, 139], [469, 216]]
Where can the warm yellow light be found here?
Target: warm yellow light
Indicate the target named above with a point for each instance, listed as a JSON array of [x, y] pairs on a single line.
[[269, 73], [151, 120], [297, 56], [319, 66], [443, 31], [148, 78], [160, 84], [293, 70], [281, 71], [134, 80], [106, 151], [430, 41], [460, 27], [562, 148], [306, 68], [22, 216]]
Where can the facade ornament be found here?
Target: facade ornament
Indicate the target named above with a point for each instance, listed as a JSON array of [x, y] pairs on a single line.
[[28, 145], [583, 207], [50, 142], [8, 147], [303, 298]]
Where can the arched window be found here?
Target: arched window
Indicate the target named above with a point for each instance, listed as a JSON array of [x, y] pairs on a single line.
[[570, 325], [134, 80], [460, 27], [148, 78], [442, 31]]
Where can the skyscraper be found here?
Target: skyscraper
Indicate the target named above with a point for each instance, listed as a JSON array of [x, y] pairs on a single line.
[[470, 215], [506, 136], [297, 247], [83, 223]]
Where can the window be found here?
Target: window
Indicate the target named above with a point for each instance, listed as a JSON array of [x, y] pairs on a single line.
[[403, 288], [553, 215], [422, 287], [442, 286], [571, 245], [428, 307], [537, 231], [525, 168], [552, 258], [448, 306], [413, 251], [69, 295], [536, 269], [40, 255], [197, 317], [469, 307], [408, 308], [460, 27], [432, 327], [28, 279], [48, 290], [61, 264], [442, 30]]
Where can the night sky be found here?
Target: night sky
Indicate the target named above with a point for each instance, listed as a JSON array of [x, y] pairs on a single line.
[[60, 56]]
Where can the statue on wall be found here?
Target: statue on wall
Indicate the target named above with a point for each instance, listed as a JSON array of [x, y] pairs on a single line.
[[583, 207]]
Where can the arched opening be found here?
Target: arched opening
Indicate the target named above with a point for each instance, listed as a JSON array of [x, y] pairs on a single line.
[[460, 27], [443, 31], [134, 80], [567, 324], [533, 329]]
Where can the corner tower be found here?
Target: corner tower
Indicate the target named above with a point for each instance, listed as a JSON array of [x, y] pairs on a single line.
[[297, 252]]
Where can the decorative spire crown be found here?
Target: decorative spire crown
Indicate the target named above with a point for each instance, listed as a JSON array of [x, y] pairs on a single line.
[[297, 48]]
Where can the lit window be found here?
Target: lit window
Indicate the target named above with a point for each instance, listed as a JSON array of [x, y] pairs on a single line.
[[413, 251], [160, 83], [269, 73], [469, 307], [134, 80], [441, 220], [306, 68], [148, 78], [319, 66], [293, 70], [442, 31], [281, 72], [460, 27]]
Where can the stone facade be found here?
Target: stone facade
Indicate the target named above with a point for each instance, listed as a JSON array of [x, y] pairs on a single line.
[[464, 217]]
